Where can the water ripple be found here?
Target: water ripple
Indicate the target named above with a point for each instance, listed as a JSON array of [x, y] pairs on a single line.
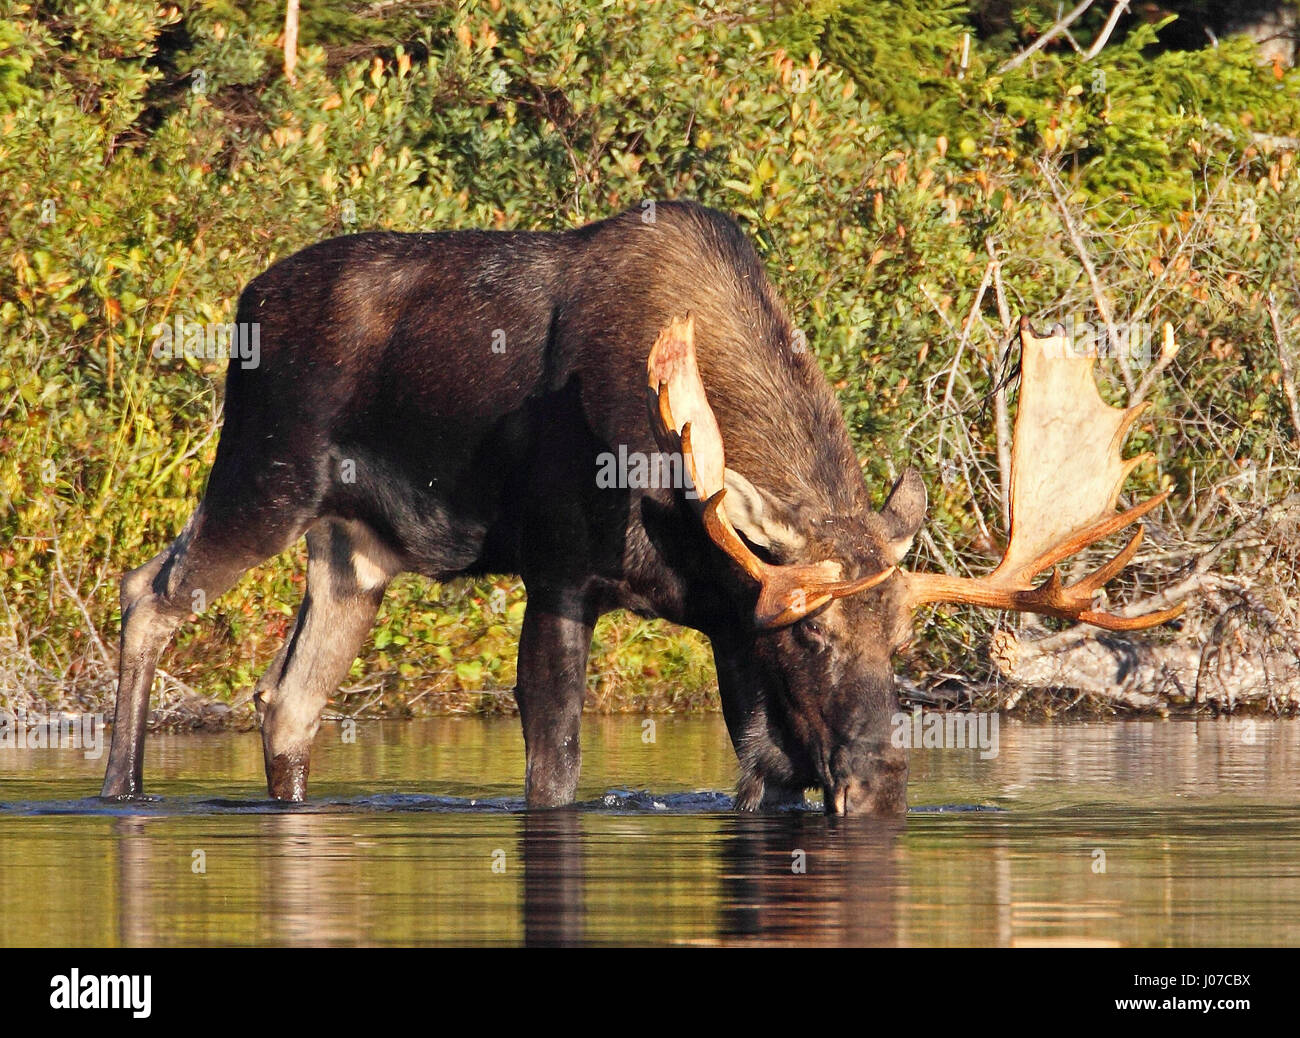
[[615, 801]]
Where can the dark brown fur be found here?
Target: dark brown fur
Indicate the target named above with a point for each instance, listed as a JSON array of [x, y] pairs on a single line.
[[382, 419]]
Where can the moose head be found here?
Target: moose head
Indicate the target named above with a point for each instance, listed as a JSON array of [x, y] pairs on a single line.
[[832, 603]]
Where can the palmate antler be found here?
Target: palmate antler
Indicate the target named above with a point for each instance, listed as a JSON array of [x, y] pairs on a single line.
[[684, 424], [1066, 473]]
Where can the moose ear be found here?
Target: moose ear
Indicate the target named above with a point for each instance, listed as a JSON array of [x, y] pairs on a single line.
[[904, 512], [760, 518]]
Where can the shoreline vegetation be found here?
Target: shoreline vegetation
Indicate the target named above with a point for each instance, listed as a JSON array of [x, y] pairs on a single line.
[[916, 176]]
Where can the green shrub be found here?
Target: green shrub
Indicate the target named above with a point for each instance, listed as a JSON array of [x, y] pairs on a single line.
[[154, 160]]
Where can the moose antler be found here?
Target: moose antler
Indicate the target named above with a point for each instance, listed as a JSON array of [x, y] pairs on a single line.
[[1066, 473], [684, 424]]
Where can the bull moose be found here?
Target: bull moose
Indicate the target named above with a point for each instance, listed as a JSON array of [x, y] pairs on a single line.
[[440, 403]]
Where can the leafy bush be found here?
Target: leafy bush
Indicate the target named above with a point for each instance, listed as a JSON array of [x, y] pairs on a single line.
[[154, 159]]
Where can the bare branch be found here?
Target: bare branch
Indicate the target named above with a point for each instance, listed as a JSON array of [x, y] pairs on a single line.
[[1062, 23], [1001, 419], [290, 39], [1168, 351], [1116, 13], [1099, 295], [1288, 382], [946, 404]]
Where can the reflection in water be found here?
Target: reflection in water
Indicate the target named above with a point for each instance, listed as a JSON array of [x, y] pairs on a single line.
[[800, 879], [300, 868], [551, 848], [135, 914], [1130, 833]]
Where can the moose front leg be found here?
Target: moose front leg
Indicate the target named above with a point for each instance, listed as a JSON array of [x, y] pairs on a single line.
[[553, 651], [761, 787]]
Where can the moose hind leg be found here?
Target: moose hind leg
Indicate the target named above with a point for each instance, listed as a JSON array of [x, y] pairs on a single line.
[[200, 565], [347, 573]]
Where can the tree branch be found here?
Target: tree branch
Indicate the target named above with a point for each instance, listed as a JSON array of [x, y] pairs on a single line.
[[1168, 351], [1001, 420], [1116, 13], [290, 40], [1062, 23], [1081, 249], [1288, 382]]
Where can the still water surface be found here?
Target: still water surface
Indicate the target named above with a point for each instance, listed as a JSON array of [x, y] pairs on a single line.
[[1114, 833]]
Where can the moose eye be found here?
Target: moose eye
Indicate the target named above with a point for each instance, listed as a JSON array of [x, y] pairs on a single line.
[[812, 634]]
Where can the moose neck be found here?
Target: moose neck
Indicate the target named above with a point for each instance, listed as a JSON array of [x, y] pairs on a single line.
[[779, 418]]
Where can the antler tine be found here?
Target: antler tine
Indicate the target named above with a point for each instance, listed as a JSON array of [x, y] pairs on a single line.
[[693, 473], [666, 413], [1099, 531], [1051, 598], [1111, 622], [1102, 575], [723, 534], [788, 592], [661, 419], [1073, 601]]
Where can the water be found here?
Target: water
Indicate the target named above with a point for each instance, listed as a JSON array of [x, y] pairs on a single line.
[[1115, 833]]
